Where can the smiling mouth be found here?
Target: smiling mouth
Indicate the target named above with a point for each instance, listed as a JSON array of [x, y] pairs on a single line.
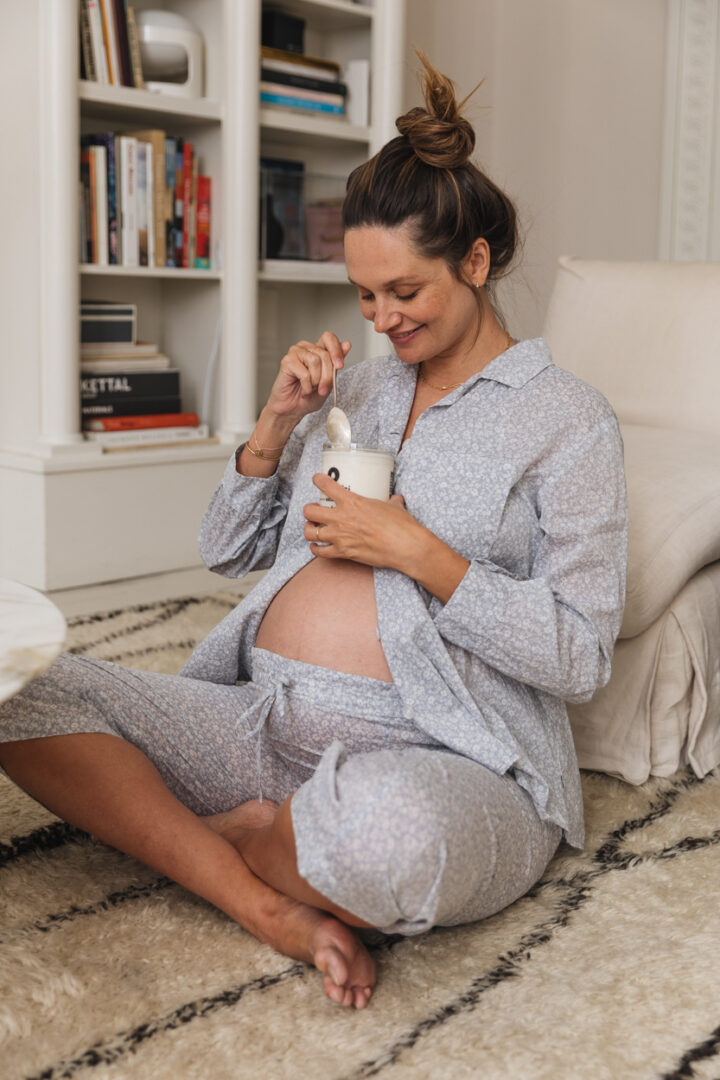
[[401, 339]]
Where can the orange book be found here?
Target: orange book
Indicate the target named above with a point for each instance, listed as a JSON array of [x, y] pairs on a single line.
[[137, 423]]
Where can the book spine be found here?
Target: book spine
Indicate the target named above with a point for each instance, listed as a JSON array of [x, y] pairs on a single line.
[[99, 154], [142, 203], [92, 192], [120, 386], [118, 199], [202, 255], [108, 21], [82, 254], [134, 43], [289, 102], [150, 201], [128, 200], [86, 222], [149, 436], [178, 220], [98, 43], [304, 95], [187, 196], [136, 407], [159, 199], [192, 239], [86, 44], [138, 423], [328, 69], [169, 215], [123, 45], [108, 142], [304, 82]]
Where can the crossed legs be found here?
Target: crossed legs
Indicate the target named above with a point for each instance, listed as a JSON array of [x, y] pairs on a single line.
[[108, 787]]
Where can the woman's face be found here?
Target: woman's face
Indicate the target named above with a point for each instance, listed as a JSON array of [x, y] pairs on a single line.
[[418, 302]]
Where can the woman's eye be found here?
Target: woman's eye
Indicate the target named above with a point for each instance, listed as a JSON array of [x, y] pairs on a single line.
[[409, 296], [368, 297]]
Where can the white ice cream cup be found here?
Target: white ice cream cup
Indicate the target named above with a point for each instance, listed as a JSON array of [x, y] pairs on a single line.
[[359, 469]]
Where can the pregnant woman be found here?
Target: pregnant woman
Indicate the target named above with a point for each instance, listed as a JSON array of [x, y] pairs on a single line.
[[376, 736]]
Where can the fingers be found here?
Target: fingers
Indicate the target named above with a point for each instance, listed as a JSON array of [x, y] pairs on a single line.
[[312, 366], [336, 349], [397, 500]]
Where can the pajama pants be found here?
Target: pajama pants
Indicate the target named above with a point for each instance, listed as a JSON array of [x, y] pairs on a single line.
[[389, 824]]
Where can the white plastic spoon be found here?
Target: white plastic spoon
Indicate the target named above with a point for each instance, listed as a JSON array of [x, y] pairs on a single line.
[[337, 424]]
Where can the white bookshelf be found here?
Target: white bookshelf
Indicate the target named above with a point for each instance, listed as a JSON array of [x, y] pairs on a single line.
[[75, 516]]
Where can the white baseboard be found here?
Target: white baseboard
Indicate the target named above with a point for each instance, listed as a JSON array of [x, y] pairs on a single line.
[[91, 599]]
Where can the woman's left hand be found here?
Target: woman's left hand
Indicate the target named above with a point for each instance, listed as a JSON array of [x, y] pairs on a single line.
[[365, 530]]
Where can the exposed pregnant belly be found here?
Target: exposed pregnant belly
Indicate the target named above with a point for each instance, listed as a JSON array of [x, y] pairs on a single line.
[[326, 615]]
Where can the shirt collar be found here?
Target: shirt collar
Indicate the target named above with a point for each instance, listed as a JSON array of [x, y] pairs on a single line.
[[517, 365]]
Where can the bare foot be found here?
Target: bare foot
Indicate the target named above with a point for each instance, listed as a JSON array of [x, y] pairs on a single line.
[[249, 815], [303, 932]]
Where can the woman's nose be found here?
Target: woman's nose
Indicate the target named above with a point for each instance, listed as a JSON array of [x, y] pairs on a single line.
[[385, 318]]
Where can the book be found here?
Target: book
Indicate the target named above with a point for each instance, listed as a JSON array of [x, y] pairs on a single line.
[[123, 44], [134, 43], [287, 101], [82, 254], [143, 224], [187, 167], [87, 176], [161, 444], [150, 436], [128, 201], [94, 18], [299, 63], [106, 365], [125, 386], [136, 407], [104, 324], [99, 155], [178, 204], [88, 60], [125, 349], [303, 94], [192, 238], [170, 155], [203, 216], [156, 139], [306, 82], [107, 140], [113, 59], [139, 423]]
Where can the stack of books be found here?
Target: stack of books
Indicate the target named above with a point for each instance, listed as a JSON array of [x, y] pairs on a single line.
[[129, 391], [303, 83], [109, 44], [143, 202]]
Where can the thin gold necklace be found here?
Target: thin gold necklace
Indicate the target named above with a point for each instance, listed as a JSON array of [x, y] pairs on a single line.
[[453, 386]]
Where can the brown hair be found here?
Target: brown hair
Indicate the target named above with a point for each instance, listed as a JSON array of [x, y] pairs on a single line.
[[425, 177]]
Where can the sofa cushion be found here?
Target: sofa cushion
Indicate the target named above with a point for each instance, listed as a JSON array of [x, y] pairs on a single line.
[[659, 712], [673, 480]]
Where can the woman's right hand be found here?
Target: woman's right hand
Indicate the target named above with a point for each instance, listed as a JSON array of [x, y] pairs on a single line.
[[306, 376]]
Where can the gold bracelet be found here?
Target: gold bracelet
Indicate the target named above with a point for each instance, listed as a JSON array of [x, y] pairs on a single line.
[[264, 453]]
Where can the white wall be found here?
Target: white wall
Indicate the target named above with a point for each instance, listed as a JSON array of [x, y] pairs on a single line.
[[569, 121]]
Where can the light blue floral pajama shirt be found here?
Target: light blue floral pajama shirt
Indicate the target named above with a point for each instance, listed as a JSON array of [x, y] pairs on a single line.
[[440, 797]]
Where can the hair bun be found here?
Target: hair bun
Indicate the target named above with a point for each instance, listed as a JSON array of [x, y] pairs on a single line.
[[438, 134]]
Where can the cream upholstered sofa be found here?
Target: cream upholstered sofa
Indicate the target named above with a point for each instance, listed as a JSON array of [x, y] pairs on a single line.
[[647, 335]]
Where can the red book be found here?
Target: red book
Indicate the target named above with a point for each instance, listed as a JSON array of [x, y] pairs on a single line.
[[202, 250], [187, 199], [137, 423]]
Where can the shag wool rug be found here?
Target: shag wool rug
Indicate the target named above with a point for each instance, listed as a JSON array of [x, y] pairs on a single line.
[[609, 968]]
